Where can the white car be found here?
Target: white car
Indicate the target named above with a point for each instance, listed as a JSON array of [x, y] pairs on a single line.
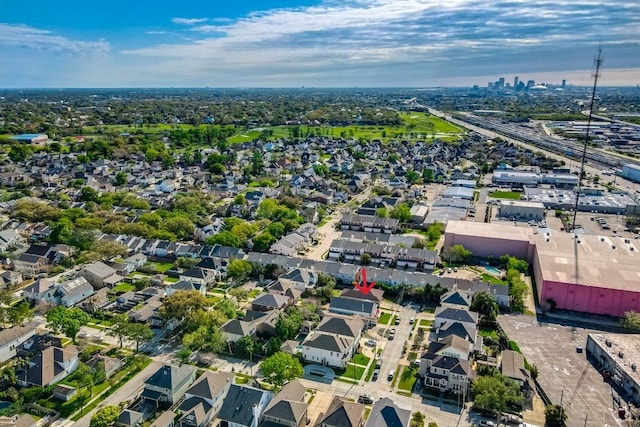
[[371, 342]]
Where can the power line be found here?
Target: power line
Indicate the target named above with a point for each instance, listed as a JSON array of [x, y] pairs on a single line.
[[598, 63]]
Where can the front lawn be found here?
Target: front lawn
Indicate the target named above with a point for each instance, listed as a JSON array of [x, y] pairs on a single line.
[[487, 331], [426, 322], [493, 279], [353, 372], [360, 359], [408, 378], [384, 318]]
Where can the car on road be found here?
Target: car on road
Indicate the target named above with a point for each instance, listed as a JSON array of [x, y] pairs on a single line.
[[376, 372], [366, 399], [371, 342], [390, 376], [487, 423], [412, 320]]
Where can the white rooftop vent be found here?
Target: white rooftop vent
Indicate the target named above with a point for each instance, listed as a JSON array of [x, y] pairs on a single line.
[[608, 343]]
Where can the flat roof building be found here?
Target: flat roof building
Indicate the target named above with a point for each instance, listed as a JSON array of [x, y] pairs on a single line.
[[631, 172], [31, 138], [489, 240], [521, 210]]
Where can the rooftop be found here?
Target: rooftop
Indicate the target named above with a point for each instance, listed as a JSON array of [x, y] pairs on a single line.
[[599, 261], [489, 230]]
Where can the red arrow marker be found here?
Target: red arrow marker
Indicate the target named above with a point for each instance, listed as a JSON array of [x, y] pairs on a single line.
[[361, 283]]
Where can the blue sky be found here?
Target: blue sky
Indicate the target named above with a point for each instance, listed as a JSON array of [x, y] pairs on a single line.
[[287, 43]]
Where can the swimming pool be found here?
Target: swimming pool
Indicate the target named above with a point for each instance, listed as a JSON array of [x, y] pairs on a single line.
[[493, 270]]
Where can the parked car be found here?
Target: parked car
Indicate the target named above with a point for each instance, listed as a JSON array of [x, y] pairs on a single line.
[[487, 423], [378, 363], [365, 398], [413, 319], [390, 376], [376, 372], [371, 342], [397, 322]]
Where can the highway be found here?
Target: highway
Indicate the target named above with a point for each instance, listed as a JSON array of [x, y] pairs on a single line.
[[556, 145]]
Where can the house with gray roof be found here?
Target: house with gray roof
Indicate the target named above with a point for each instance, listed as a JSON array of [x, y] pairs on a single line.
[[129, 418], [168, 384], [343, 413], [98, 274], [37, 292], [72, 292], [456, 299], [244, 406], [11, 338], [447, 314], [288, 408], [268, 302], [385, 413], [334, 341], [299, 278], [512, 366], [186, 285], [447, 373], [354, 306], [203, 400], [48, 367]]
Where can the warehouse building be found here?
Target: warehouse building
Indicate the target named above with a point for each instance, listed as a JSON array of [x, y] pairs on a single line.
[[631, 172], [532, 179], [32, 138], [521, 210], [489, 240], [591, 200]]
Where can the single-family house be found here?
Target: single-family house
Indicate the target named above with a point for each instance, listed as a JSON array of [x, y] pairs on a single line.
[[37, 292], [10, 278], [137, 260], [447, 314], [98, 274], [333, 342], [129, 418], [456, 299], [47, 367], [12, 338], [31, 265], [288, 408], [199, 275], [343, 413], [244, 406], [385, 413], [106, 364], [447, 373], [72, 292], [186, 285], [234, 329], [203, 400], [268, 302], [512, 366], [299, 278], [9, 238], [168, 384]]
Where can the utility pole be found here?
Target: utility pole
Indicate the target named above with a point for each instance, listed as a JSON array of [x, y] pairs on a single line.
[[598, 63]]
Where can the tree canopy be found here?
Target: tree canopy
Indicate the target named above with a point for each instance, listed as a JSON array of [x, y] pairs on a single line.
[[486, 305], [105, 416], [281, 368], [68, 321]]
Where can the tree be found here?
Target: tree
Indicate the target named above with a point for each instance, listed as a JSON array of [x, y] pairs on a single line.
[[67, 320], [289, 323], [183, 305], [119, 327], [281, 368], [181, 226], [402, 212], [455, 254], [365, 259], [139, 332], [247, 346], [84, 377], [495, 393], [262, 242], [105, 416], [554, 416], [88, 194], [121, 179], [273, 346], [631, 320], [239, 268], [224, 238], [382, 213], [486, 305]]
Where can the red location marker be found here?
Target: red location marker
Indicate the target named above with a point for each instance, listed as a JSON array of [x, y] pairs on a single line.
[[361, 283]]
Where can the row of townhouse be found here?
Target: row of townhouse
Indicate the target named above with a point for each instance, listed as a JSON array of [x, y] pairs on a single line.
[[369, 223], [382, 254]]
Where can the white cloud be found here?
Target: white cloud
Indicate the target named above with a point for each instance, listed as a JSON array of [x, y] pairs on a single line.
[[156, 32], [188, 21], [23, 36]]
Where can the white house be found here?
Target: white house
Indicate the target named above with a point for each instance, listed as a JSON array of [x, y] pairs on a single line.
[[333, 342], [11, 338]]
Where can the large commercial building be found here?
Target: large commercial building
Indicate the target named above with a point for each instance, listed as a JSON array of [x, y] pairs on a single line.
[[32, 138], [519, 178], [631, 172], [591, 200], [584, 273], [593, 274], [520, 210], [489, 240]]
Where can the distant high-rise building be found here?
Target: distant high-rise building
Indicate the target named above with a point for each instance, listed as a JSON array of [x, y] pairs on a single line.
[[515, 81], [501, 82], [564, 83], [530, 84]]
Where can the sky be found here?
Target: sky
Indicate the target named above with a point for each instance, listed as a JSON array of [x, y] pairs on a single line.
[[315, 43]]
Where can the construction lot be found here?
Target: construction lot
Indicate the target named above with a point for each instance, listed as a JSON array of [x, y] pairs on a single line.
[[564, 373]]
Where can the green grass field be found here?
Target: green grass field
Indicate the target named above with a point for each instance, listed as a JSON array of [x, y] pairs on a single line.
[[426, 322], [493, 279], [124, 287], [510, 195], [384, 318], [407, 378], [352, 372], [360, 359], [416, 126]]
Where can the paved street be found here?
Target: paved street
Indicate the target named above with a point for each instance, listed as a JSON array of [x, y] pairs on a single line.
[[124, 393]]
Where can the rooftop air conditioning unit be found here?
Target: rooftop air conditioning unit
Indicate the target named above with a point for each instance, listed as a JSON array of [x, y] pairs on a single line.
[[607, 343], [613, 247], [621, 355]]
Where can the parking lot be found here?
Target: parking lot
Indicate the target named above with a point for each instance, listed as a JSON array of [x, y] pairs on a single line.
[[564, 373]]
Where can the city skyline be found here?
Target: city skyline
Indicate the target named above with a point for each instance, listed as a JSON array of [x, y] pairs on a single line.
[[364, 43]]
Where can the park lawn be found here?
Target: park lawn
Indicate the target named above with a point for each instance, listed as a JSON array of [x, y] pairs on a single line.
[[124, 287], [407, 378], [423, 120], [510, 195], [493, 279], [426, 322], [353, 372], [384, 318], [360, 359]]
